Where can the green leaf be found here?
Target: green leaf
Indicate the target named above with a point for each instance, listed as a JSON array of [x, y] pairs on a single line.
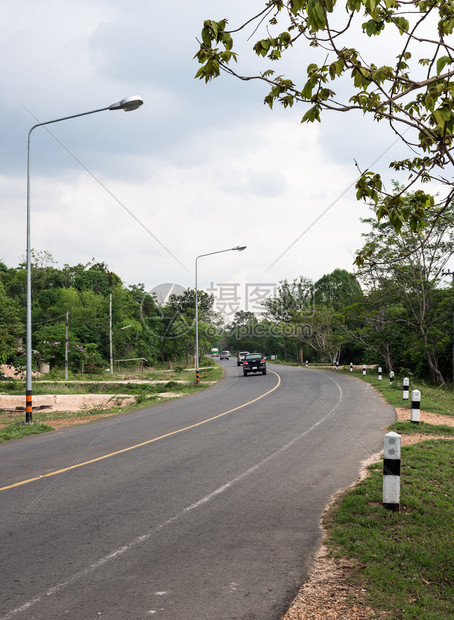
[[313, 114], [306, 93], [296, 5], [402, 23], [442, 62]]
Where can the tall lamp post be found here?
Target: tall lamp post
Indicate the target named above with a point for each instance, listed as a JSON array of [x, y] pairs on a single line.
[[238, 248], [451, 273], [128, 104]]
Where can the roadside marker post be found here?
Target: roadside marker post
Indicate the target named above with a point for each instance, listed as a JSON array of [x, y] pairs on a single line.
[[337, 365], [380, 373], [406, 388], [415, 406], [391, 472], [391, 377], [351, 366], [364, 370]]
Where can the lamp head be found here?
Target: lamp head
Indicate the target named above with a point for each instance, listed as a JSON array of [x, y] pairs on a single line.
[[128, 104], [240, 248]]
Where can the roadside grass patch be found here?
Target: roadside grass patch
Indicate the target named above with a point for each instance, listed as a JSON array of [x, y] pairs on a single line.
[[214, 373], [20, 429], [433, 399], [408, 428], [405, 560]]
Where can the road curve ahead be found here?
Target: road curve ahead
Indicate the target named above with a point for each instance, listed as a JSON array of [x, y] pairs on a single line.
[[206, 507]]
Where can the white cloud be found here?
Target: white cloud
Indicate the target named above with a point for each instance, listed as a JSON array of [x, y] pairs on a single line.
[[203, 167]]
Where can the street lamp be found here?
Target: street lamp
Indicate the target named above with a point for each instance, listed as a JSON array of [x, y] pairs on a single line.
[[128, 104], [238, 248], [451, 273]]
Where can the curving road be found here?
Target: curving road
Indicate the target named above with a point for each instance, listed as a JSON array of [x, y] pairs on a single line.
[[206, 507]]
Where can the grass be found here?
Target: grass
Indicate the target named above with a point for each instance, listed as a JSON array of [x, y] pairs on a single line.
[[404, 560], [20, 429], [408, 428], [433, 399], [176, 381]]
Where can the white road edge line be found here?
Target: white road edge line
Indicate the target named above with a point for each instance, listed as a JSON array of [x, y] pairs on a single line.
[[144, 537]]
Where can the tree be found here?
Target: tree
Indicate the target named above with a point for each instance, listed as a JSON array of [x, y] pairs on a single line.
[[291, 307], [377, 322], [186, 300], [404, 270], [10, 326], [337, 289], [292, 298], [241, 332], [414, 94], [323, 332]]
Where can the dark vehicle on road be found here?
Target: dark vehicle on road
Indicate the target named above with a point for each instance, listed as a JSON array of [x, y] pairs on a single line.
[[254, 362], [241, 357]]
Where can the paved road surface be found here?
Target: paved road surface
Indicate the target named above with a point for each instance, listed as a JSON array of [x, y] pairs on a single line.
[[203, 508]]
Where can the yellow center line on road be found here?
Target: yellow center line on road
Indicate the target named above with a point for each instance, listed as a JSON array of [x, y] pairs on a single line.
[[144, 443]]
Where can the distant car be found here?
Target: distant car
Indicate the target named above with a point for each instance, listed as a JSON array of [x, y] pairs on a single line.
[[224, 355], [241, 356], [254, 362]]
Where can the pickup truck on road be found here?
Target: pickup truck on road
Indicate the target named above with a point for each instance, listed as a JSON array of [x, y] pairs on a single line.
[[254, 362]]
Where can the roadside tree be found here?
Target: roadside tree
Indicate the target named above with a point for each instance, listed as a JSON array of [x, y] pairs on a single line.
[[407, 270]]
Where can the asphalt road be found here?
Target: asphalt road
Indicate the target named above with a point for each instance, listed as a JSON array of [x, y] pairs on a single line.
[[206, 507]]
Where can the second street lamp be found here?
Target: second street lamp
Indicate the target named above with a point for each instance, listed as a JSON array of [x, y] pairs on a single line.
[[128, 104], [238, 248]]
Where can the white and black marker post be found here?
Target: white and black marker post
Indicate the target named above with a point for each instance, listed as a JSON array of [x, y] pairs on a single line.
[[380, 373], [415, 406], [391, 472], [364, 370], [391, 376], [337, 365], [351, 366], [406, 388]]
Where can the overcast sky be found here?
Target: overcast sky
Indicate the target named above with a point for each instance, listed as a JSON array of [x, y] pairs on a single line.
[[198, 168]]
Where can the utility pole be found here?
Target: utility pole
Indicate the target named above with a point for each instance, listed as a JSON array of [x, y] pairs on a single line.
[[66, 344], [110, 335], [451, 273]]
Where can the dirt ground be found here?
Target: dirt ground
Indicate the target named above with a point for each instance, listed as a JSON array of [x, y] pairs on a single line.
[[326, 594], [69, 403]]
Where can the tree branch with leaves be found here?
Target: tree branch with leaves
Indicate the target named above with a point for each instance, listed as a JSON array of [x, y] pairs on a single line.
[[413, 93]]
